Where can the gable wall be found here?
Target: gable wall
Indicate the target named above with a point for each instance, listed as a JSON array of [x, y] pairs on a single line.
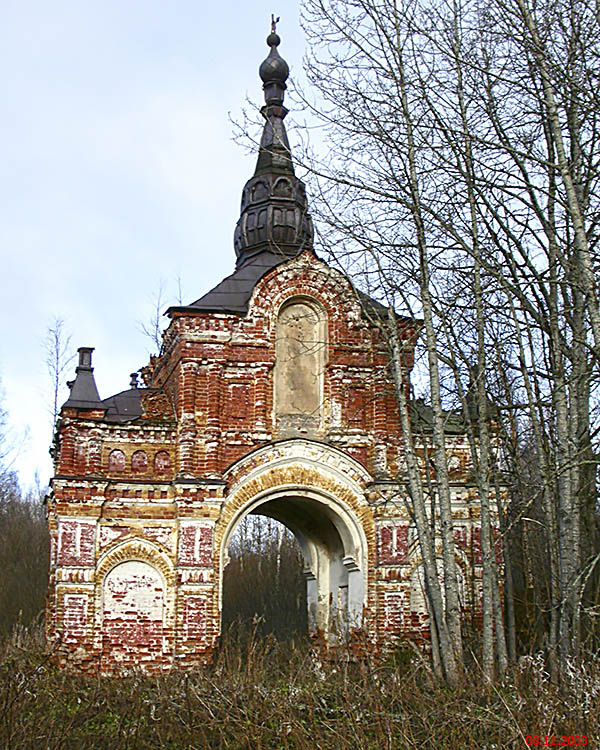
[[155, 488]]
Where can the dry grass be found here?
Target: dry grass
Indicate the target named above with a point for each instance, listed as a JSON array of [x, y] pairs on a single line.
[[264, 694]]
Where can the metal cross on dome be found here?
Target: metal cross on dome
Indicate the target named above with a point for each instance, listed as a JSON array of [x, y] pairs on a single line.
[[274, 22]]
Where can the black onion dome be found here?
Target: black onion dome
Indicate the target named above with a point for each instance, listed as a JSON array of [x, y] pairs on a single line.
[[274, 68], [274, 213], [274, 223], [274, 217]]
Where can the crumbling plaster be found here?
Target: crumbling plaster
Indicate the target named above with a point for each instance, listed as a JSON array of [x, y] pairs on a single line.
[[211, 416]]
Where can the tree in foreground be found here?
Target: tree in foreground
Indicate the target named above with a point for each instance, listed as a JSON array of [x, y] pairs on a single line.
[[461, 184]]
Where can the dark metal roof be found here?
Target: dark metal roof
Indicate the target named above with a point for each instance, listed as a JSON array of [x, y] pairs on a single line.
[[454, 419], [371, 306], [422, 418], [233, 294], [84, 388], [124, 406]]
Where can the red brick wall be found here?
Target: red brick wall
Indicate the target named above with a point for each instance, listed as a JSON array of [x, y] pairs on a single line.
[[213, 406]]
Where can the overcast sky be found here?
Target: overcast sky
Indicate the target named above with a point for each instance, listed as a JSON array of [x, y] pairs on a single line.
[[119, 171]]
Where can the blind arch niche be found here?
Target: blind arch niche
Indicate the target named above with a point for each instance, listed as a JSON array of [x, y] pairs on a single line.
[[300, 359]]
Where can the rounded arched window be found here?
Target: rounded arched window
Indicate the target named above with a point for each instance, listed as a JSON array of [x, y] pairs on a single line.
[[162, 462], [116, 461], [259, 191], [283, 188], [139, 462]]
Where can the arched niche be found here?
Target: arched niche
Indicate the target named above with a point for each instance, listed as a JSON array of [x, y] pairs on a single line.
[[116, 461], [259, 191], [162, 462], [300, 359], [139, 462], [134, 605], [282, 188], [133, 610]]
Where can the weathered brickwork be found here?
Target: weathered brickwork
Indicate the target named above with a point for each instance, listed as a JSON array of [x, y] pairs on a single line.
[[271, 394], [142, 511]]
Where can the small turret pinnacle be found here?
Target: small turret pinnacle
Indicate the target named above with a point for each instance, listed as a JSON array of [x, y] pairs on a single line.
[[274, 154], [84, 393]]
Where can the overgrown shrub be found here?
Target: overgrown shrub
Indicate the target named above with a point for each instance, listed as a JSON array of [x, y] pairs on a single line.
[[261, 693]]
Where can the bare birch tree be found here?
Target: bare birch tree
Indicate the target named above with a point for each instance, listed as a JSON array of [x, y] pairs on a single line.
[[57, 347], [460, 182]]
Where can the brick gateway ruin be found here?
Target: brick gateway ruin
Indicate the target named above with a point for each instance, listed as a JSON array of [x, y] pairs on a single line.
[[271, 395]]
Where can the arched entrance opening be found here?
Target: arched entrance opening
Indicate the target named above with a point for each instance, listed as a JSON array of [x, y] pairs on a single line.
[[264, 587], [334, 551]]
